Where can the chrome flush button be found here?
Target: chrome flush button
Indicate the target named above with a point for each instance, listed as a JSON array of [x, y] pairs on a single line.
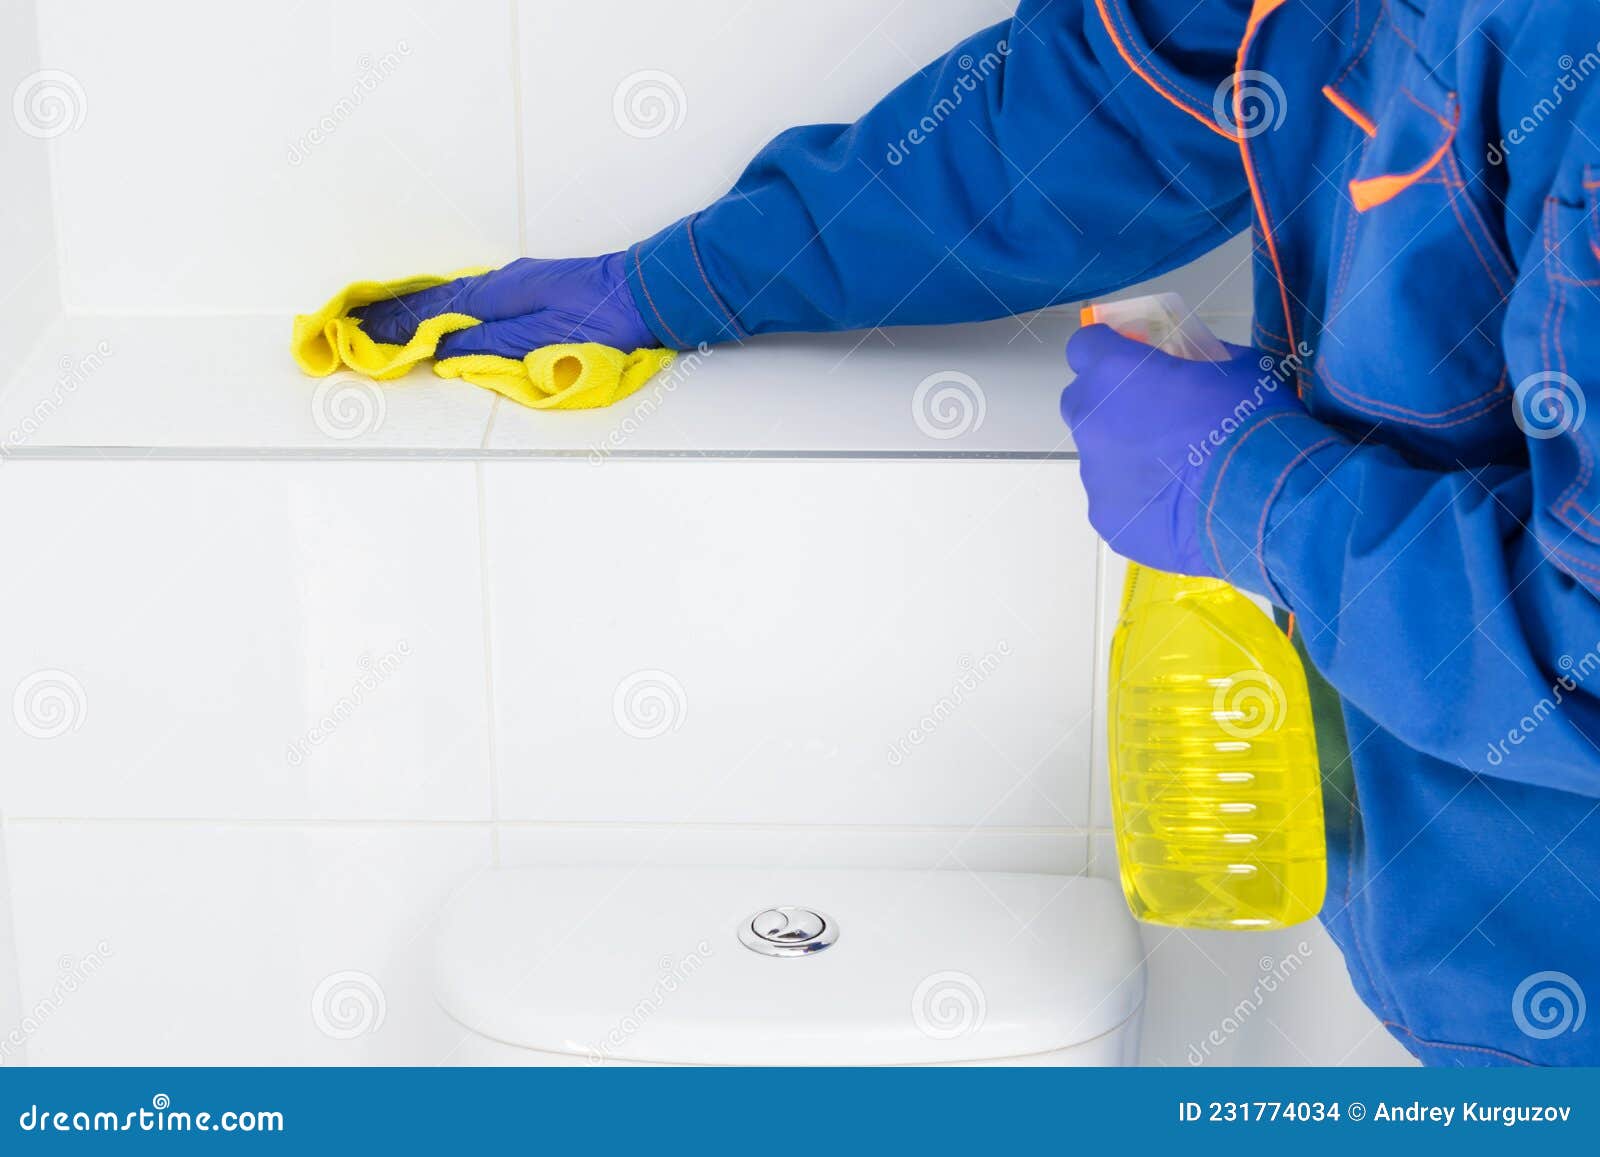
[[788, 932]]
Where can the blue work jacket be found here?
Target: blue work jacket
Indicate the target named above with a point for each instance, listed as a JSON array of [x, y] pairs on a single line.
[[1421, 179]]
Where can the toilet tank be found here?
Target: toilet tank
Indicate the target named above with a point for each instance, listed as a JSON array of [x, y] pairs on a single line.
[[753, 966]]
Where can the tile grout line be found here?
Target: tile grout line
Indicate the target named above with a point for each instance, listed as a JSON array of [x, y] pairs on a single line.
[[14, 821], [486, 615], [1097, 680]]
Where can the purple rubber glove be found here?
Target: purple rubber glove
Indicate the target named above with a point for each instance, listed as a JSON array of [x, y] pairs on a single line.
[[527, 304], [1147, 426]]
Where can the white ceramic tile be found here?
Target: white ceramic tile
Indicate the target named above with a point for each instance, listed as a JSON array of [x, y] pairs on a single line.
[[254, 157], [219, 383], [1273, 998], [1269, 998], [936, 391], [1113, 573], [1250, 998], [709, 82], [1102, 855], [13, 1049], [816, 643], [43, 106], [202, 944], [947, 849], [215, 639]]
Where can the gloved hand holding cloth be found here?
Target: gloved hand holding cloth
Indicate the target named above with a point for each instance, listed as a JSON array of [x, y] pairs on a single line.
[[561, 334]]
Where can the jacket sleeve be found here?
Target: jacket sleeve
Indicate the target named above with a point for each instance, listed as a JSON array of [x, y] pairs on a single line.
[[1052, 157], [1460, 609]]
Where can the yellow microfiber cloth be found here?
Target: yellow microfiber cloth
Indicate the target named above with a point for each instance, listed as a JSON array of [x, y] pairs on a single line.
[[577, 376]]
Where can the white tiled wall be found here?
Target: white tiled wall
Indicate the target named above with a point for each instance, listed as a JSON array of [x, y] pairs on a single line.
[[244, 641], [12, 1052], [259, 154], [40, 103], [270, 712], [830, 643], [213, 943], [727, 75]]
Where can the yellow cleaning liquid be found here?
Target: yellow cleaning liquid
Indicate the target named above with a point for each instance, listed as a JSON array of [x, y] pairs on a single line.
[[1215, 788], [1215, 784]]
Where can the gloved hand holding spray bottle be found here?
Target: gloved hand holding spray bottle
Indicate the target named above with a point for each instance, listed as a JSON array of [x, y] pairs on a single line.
[[1216, 790]]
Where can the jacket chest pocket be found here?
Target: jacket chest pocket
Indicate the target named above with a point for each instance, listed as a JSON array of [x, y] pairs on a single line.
[[1419, 278], [1551, 405]]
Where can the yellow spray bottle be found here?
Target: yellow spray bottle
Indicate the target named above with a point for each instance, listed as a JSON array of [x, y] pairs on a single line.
[[1215, 786]]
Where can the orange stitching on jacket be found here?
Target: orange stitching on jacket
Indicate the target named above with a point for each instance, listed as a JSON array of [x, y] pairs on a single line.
[[1593, 218], [1585, 454], [1222, 471], [1357, 948], [1564, 514], [1450, 198], [1411, 44], [1346, 259], [1437, 1044], [1268, 341], [645, 285], [1489, 400], [1176, 98], [1550, 338], [1484, 231], [694, 250], [1127, 28], [1372, 37], [1450, 98], [1272, 497]]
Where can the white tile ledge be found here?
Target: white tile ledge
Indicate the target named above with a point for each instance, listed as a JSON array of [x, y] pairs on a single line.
[[124, 386]]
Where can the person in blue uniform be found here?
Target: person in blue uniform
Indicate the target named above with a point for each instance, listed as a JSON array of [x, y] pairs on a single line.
[[1404, 461]]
